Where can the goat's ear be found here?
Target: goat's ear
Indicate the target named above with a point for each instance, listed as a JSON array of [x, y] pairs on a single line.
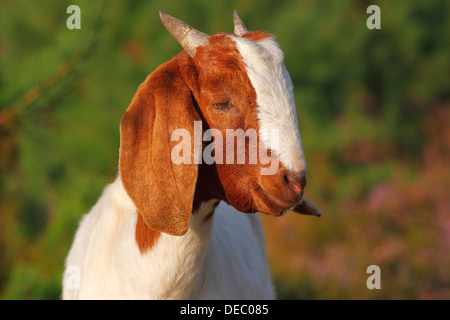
[[161, 190]]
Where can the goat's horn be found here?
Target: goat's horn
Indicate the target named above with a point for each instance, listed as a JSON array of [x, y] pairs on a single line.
[[188, 37], [239, 26]]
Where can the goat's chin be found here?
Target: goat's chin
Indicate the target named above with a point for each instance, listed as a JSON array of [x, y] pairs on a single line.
[[251, 197], [267, 203]]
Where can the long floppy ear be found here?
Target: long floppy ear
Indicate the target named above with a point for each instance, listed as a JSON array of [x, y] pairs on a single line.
[[162, 191]]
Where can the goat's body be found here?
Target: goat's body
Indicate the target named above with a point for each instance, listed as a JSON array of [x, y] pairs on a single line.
[[218, 258]]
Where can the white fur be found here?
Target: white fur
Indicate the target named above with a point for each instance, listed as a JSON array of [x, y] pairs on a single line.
[[275, 99], [220, 258]]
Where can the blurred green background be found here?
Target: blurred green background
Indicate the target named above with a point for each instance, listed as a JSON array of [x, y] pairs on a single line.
[[374, 116]]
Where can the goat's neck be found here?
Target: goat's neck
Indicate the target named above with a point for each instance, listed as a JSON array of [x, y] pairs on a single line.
[[179, 258], [185, 255]]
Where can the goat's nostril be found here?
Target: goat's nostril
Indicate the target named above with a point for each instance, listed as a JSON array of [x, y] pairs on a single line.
[[286, 179], [296, 180], [303, 180]]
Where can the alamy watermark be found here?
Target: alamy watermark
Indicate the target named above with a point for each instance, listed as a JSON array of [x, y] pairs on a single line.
[[234, 153], [74, 20], [374, 280], [72, 279], [374, 20]]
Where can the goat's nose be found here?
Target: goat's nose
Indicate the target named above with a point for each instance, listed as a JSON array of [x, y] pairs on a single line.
[[296, 180]]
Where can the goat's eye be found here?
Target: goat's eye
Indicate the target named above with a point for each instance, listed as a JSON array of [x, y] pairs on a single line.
[[225, 105]]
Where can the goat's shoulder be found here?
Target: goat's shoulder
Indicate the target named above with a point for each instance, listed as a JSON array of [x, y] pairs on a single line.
[[96, 237]]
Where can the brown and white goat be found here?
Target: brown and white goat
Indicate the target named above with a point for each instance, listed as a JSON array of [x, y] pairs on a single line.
[[166, 230]]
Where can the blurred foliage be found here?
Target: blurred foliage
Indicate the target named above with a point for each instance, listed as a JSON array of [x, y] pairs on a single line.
[[373, 107]]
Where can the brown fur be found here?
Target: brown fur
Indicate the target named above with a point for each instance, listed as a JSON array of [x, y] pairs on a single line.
[[145, 237]]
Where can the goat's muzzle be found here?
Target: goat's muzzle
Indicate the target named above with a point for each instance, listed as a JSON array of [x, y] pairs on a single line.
[[297, 182], [288, 187]]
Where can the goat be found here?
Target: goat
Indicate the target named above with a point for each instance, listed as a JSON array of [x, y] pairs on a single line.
[[179, 231]]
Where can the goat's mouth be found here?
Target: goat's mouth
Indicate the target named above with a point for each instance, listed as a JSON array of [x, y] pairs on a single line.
[[268, 203]]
